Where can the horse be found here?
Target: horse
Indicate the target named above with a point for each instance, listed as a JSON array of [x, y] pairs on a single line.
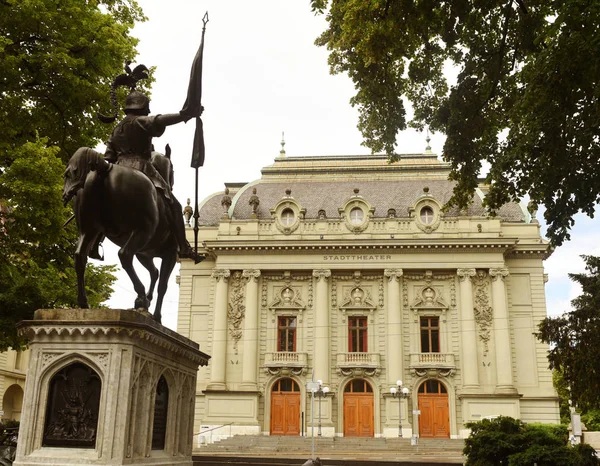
[[122, 204]]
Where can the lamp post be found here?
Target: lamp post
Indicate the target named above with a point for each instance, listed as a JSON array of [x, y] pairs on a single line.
[[401, 393], [321, 392]]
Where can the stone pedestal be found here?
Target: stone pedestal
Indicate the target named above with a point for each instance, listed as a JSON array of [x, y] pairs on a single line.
[[107, 387]]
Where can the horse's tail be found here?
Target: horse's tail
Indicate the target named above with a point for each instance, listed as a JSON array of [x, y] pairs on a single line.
[[81, 163]]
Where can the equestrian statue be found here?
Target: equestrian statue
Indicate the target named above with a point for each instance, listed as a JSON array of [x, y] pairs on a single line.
[[126, 195]]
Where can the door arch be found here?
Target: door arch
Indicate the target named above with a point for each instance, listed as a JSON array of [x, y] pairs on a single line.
[[434, 421], [358, 409], [12, 403], [285, 407]]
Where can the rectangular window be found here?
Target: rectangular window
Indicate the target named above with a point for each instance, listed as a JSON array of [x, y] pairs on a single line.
[[286, 334], [357, 335], [430, 334]]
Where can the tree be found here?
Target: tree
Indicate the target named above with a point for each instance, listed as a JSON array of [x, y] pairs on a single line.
[[36, 252], [509, 441], [525, 101], [57, 61], [574, 338]]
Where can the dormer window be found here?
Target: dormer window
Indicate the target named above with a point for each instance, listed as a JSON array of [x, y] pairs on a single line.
[[356, 216], [287, 217], [427, 215]]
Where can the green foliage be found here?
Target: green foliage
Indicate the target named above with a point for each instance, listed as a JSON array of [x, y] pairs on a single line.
[[36, 252], [573, 337], [57, 61], [510, 442], [493, 441], [591, 419], [526, 98], [564, 395]]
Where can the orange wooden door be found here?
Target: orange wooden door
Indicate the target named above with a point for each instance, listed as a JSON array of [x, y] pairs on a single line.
[[358, 415], [434, 421], [285, 414]]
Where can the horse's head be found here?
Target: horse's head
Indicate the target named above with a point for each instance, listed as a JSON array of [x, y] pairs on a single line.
[[163, 165]]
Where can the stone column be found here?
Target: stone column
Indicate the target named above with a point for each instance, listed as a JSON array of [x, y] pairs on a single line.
[[468, 334], [394, 327], [219, 341], [321, 354], [250, 367], [504, 379]]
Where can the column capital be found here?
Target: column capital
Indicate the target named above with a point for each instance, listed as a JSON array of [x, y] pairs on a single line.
[[251, 274], [393, 274], [221, 274], [501, 273], [465, 274], [321, 273]]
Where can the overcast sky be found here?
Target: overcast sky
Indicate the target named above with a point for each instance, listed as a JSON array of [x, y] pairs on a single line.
[[263, 75]]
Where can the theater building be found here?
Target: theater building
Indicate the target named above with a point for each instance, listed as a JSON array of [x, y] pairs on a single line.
[[347, 270]]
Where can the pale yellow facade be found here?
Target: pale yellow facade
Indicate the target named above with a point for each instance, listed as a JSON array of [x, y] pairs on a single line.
[[348, 271], [13, 366]]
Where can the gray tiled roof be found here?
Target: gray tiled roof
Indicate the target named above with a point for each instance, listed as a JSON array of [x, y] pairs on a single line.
[[330, 195]]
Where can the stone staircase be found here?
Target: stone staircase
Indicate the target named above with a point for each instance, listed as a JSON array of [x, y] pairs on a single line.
[[246, 449]]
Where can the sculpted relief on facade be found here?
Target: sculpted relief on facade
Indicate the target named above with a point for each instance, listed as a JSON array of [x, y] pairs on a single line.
[[484, 314]]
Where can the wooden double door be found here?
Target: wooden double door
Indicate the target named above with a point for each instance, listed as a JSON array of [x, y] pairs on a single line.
[[358, 409], [434, 421], [285, 408]]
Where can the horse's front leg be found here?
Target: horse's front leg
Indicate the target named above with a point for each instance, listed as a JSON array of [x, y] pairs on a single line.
[[83, 245], [166, 267], [148, 263], [135, 242]]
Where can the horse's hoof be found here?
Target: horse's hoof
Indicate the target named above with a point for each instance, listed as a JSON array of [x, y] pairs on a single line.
[[142, 303], [157, 317]]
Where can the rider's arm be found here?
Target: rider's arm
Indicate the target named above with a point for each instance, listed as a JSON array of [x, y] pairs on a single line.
[[173, 118]]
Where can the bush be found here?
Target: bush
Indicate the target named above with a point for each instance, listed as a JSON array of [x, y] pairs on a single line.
[[510, 442], [591, 419]]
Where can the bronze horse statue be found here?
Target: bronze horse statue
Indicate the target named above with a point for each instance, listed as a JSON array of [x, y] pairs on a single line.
[[122, 204]]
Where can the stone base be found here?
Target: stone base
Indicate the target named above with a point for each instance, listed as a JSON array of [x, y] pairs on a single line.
[[107, 387]]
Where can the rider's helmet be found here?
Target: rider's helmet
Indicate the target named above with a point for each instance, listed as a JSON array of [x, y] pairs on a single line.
[[137, 102]]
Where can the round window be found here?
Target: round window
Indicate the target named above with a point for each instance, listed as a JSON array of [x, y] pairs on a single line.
[[356, 216], [287, 217], [427, 215]]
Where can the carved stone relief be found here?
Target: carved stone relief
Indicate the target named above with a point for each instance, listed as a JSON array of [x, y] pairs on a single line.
[[236, 309], [482, 309]]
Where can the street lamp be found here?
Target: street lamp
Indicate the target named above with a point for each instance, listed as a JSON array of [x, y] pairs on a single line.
[[321, 392], [401, 393]]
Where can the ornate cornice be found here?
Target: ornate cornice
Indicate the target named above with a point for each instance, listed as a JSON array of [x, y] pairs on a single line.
[[464, 274], [321, 274], [100, 332], [393, 275]]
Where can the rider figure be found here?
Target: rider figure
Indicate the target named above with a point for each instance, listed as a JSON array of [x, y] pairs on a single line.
[[130, 145]]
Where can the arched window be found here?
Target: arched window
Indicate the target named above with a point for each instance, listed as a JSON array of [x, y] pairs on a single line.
[[287, 217], [358, 386], [432, 387], [285, 385]]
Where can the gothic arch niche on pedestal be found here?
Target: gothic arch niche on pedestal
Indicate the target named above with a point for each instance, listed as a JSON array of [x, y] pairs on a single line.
[[72, 407]]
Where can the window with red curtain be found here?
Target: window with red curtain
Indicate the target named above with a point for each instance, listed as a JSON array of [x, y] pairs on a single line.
[[430, 335], [357, 335], [286, 334]]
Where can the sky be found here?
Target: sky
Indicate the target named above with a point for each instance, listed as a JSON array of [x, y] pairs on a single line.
[[263, 76]]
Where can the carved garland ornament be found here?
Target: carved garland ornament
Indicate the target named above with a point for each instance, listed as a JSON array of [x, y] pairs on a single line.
[[236, 309], [482, 309]]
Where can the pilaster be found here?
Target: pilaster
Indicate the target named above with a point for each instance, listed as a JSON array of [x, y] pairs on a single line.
[[469, 366], [395, 356], [321, 357], [219, 339], [250, 366]]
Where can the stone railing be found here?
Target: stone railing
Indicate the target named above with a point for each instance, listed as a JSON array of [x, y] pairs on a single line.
[[286, 359], [358, 360], [432, 360]]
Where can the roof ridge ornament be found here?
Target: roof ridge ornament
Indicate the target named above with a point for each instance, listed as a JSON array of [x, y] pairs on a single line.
[[282, 151]]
